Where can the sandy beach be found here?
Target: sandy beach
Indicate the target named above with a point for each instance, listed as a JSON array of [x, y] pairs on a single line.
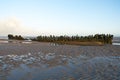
[[35, 47], [47, 61]]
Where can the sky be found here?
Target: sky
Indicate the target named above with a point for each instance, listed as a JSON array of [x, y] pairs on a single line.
[[59, 17]]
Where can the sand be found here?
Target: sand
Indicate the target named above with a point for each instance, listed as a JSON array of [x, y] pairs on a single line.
[[91, 51], [47, 61]]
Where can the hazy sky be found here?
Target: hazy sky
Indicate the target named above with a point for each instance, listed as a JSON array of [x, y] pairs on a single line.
[[59, 17]]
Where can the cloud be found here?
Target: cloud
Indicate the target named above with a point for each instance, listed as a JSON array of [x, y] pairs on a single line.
[[13, 26]]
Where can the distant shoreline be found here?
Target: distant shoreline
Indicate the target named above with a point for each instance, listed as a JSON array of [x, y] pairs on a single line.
[[115, 41], [58, 43]]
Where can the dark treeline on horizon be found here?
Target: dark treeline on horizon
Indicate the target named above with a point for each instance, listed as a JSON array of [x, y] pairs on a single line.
[[16, 37], [104, 38]]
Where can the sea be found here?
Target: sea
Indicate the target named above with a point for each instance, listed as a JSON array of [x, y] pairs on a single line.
[[3, 37], [116, 41]]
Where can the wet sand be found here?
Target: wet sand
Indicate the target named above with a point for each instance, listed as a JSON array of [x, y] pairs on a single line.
[[47, 61], [91, 51]]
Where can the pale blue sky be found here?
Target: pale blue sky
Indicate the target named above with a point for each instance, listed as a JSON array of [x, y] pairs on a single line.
[[59, 17]]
